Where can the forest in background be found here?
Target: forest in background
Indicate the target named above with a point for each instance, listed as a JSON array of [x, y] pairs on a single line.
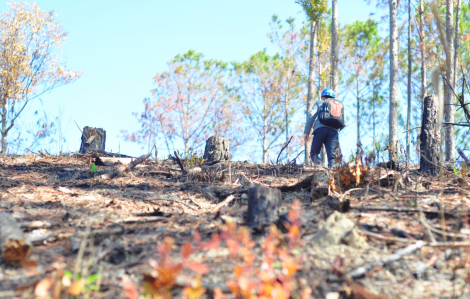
[[260, 103]]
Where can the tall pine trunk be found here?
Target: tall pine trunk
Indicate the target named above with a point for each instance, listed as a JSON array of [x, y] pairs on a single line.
[[358, 97], [393, 118], [449, 96], [4, 129], [311, 81], [334, 45], [457, 41], [423, 52], [408, 111]]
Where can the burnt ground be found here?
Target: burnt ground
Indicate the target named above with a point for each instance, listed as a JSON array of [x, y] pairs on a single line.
[[80, 223]]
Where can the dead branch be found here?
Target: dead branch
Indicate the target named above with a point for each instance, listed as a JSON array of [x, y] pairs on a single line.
[[282, 149], [461, 153], [179, 162], [304, 184], [222, 204], [143, 219], [404, 210], [57, 236], [119, 169], [361, 271]]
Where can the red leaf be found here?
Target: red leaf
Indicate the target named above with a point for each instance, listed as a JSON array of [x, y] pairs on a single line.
[[199, 268], [129, 288], [186, 250]]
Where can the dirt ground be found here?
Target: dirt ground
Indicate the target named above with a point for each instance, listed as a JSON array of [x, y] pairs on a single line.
[[81, 222]]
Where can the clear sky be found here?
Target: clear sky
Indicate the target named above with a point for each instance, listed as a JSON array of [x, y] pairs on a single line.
[[120, 46]]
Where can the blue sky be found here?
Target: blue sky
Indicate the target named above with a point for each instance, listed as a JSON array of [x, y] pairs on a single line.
[[121, 45]]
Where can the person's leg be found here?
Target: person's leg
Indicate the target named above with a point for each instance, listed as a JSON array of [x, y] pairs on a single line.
[[317, 142], [331, 144]]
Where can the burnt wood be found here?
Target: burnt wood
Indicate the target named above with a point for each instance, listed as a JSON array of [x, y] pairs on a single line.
[[263, 206], [13, 244], [430, 137], [217, 149], [93, 140]]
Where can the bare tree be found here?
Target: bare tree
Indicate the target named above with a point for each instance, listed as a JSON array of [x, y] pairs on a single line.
[[314, 9], [457, 39], [311, 81], [393, 118], [29, 38], [334, 45], [408, 112], [423, 50], [449, 96]]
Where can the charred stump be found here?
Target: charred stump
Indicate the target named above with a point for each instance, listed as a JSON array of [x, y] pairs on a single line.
[[217, 149], [93, 140], [263, 206], [13, 244], [430, 137]]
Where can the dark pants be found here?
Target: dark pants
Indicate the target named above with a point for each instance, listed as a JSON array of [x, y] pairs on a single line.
[[328, 137]]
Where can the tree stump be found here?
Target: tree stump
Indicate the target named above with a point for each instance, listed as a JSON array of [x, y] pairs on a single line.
[[430, 137], [93, 139], [263, 206], [13, 244], [217, 149]]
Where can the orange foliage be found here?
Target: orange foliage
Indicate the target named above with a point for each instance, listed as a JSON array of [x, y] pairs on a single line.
[[273, 278]]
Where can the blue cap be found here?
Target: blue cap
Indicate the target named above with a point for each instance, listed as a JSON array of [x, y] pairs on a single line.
[[328, 93]]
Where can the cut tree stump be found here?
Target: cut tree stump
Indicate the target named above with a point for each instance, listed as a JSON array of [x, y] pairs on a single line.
[[263, 206], [13, 244], [430, 137], [217, 149], [93, 140]]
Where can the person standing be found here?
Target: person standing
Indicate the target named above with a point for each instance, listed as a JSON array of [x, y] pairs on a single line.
[[327, 116]]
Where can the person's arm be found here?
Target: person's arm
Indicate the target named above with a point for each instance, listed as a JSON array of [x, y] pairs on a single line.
[[311, 117]]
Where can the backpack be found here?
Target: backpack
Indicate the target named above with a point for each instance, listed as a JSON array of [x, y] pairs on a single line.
[[332, 114]]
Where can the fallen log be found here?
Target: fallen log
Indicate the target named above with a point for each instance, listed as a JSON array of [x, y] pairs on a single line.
[[119, 169], [320, 176], [13, 244]]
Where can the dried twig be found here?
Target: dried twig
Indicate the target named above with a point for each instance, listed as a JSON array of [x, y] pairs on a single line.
[[179, 162], [222, 204], [287, 143], [361, 271]]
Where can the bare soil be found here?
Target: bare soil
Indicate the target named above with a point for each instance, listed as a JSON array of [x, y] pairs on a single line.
[[60, 204]]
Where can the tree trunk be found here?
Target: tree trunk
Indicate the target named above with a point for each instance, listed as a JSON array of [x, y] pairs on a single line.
[[217, 149], [449, 96], [263, 206], [13, 244], [374, 147], [430, 137], [4, 129], [311, 81], [457, 40], [93, 140], [393, 118], [334, 45], [408, 110], [358, 112], [286, 112], [423, 52]]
